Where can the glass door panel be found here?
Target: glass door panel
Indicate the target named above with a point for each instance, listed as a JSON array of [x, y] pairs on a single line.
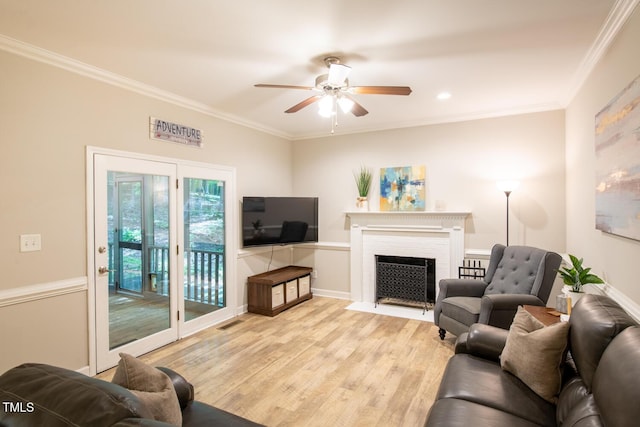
[[139, 215], [206, 268], [204, 243], [128, 194]]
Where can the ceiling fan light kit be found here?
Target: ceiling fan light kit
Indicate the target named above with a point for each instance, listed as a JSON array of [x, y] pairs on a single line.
[[335, 91], [325, 106]]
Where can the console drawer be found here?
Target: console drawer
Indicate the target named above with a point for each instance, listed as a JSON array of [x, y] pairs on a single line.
[[304, 284], [277, 295], [292, 290]]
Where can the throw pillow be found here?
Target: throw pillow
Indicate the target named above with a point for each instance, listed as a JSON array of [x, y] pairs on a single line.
[[535, 354], [152, 386]]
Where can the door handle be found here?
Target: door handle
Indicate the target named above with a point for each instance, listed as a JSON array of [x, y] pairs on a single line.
[[103, 270]]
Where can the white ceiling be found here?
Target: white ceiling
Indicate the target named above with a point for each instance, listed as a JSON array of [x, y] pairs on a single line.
[[495, 57]]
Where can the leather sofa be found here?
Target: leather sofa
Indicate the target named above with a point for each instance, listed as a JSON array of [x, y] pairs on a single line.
[[600, 382], [43, 395]]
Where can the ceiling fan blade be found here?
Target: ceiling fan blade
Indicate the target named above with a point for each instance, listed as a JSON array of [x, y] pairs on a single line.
[[352, 106], [338, 74], [299, 106], [284, 86], [358, 110], [380, 90]]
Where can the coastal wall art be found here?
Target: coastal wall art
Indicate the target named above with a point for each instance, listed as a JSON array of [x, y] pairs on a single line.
[[402, 188], [617, 149]]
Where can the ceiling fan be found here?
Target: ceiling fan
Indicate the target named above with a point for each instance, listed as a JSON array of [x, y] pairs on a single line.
[[334, 90]]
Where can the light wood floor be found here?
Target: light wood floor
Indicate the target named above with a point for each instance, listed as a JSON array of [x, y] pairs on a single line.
[[316, 364]]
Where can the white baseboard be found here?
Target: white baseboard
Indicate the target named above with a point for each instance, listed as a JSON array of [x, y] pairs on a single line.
[[625, 302], [84, 370], [331, 294]]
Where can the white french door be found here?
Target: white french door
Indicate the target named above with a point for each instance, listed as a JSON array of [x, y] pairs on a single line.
[[206, 263], [160, 251]]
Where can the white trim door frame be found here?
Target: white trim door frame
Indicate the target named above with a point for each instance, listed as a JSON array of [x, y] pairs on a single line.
[[99, 160]]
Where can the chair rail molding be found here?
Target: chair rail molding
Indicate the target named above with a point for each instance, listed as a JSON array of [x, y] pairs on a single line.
[[38, 291]]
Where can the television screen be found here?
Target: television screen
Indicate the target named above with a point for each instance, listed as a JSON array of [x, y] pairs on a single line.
[[279, 220]]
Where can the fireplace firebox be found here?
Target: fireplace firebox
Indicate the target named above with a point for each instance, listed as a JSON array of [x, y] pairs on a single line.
[[405, 280]]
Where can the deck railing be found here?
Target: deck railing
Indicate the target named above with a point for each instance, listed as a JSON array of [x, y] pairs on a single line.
[[203, 274], [204, 277]]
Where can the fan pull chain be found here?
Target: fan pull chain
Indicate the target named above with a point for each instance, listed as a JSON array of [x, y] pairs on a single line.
[[334, 119]]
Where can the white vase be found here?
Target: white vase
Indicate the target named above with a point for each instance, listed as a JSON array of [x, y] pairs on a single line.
[[575, 296], [362, 204]]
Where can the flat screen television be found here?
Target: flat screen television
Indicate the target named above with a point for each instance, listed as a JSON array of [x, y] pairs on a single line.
[[279, 220]]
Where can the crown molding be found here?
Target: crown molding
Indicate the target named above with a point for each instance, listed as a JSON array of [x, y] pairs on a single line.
[[38, 54], [440, 120], [618, 16]]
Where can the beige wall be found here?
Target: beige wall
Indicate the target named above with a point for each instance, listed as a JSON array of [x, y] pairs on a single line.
[[48, 116], [610, 256], [463, 161]]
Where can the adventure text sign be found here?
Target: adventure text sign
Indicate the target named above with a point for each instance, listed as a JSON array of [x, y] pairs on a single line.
[[168, 131]]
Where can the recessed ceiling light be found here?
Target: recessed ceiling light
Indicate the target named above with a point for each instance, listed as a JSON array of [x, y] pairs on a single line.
[[444, 95]]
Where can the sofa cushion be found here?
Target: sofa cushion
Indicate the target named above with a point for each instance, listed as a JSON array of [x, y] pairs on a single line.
[[464, 309], [535, 353], [483, 381], [62, 397], [461, 413], [201, 414], [615, 385], [576, 406], [152, 386], [595, 321]]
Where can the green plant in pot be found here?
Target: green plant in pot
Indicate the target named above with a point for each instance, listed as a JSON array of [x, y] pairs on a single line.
[[577, 276], [363, 179]]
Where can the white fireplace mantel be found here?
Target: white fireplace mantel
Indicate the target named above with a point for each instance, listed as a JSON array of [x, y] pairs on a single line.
[[427, 234]]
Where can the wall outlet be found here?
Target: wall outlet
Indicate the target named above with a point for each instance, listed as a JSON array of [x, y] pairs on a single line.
[[314, 274], [30, 242]]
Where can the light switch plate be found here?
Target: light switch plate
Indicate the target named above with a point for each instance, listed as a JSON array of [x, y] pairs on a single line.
[[30, 242]]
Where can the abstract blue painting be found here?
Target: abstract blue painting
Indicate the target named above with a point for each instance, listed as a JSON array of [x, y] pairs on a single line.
[[617, 145], [402, 188]]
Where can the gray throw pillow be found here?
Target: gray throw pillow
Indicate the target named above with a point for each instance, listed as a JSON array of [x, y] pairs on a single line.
[[152, 386], [535, 354]]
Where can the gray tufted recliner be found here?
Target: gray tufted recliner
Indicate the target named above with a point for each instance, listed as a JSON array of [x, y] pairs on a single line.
[[517, 275]]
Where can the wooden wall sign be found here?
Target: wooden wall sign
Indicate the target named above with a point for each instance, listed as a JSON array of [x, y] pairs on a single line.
[[174, 132]]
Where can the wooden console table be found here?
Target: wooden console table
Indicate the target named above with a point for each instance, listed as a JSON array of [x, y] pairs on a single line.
[[547, 315], [274, 291]]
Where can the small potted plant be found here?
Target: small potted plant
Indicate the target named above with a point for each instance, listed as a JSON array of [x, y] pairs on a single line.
[[576, 277], [363, 183]]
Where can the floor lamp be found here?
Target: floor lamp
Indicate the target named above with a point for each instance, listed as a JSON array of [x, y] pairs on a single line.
[[507, 187]]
